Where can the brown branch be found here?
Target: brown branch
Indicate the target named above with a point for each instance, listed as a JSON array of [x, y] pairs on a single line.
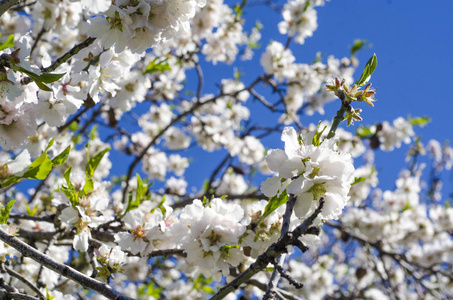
[[194, 107], [64, 270], [274, 251], [7, 4], [24, 280]]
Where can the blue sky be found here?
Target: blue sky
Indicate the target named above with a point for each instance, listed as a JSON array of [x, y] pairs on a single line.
[[412, 41]]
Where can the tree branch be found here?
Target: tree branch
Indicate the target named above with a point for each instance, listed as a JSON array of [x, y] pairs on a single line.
[[173, 122], [7, 4], [61, 269], [275, 278], [24, 280], [274, 251], [73, 51], [15, 295]]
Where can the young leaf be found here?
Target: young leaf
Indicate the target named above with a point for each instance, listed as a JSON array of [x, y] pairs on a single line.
[[274, 203], [161, 207], [62, 157], [419, 121], [39, 168], [317, 137], [208, 289], [8, 43], [93, 162], [67, 175], [358, 179], [39, 79], [141, 188], [48, 297], [369, 69], [33, 76], [31, 212], [155, 66], [50, 77], [88, 187], [69, 190], [10, 181], [358, 45], [5, 211], [364, 132], [140, 195]]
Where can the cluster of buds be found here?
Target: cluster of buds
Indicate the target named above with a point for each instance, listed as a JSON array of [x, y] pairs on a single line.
[[348, 94]]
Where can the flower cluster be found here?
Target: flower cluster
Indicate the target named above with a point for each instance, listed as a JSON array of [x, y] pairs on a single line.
[[147, 164], [310, 170], [142, 24]]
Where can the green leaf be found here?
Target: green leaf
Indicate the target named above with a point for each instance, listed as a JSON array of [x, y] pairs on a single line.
[[33, 76], [31, 212], [369, 69], [10, 181], [364, 132], [5, 211], [66, 176], [318, 57], [274, 203], [205, 201], [93, 162], [357, 180], [62, 157], [48, 297], [140, 195], [358, 45], [161, 207], [142, 188], [39, 79], [407, 206], [208, 289], [88, 187], [50, 144], [74, 126], [69, 190], [317, 137], [156, 66], [93, 132], [150, 289], [50, 77], [419, 121], [8, 43], [40, 167]]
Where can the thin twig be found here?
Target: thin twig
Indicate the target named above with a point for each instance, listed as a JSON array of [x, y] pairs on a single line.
[[173, 122], [15, 295], [275, 278], [24, 280], [64, 270], [7, 4], [73, 51], [274, 251]]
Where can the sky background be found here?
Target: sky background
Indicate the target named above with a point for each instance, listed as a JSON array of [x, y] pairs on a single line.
[[412, 41]]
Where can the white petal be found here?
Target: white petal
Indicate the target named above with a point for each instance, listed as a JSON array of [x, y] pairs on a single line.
[[303, 205], [80, 242], [275, 159], [292, 167], [295, 187], [20, 163], [69, 215], [271, 186], [289, 136]]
